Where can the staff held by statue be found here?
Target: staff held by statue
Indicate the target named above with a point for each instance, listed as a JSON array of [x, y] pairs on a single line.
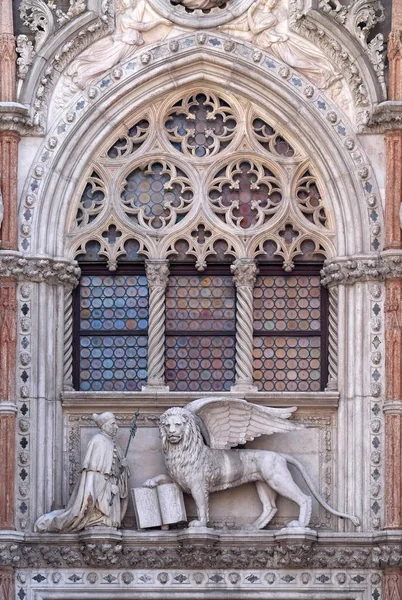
[[133, 431]]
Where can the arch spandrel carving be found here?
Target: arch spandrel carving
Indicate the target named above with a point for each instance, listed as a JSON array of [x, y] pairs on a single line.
[[288, 30]]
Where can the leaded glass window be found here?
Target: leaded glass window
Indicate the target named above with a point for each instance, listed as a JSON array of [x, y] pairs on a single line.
[[200, 330], [112, 342], [290, 342]]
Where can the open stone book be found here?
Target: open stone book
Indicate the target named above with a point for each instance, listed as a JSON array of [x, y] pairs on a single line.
[[161, 505]]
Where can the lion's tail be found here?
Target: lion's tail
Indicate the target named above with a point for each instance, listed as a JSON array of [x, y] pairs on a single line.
[[316, 495]]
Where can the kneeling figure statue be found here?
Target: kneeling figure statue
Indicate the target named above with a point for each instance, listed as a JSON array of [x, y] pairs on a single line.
[[196, 442], [100, 495]]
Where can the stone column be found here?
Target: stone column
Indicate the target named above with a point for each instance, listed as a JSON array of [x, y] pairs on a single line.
[[157, 277], [8, 301], [393, 308], [245, 272], [393, 404]]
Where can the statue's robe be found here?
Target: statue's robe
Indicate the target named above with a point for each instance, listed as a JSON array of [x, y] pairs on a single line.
[[89, 504]]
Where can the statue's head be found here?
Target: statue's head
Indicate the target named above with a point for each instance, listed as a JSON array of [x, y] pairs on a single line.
[[106, 423], [177, 426]]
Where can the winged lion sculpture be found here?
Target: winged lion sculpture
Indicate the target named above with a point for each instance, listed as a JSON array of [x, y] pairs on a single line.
[[197, 442]]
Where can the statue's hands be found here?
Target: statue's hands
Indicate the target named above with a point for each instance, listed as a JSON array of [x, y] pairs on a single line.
[[115, 490], [123, 462], [149, 483]]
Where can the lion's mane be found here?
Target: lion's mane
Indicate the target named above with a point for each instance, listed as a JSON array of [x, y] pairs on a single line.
[[182, 458]]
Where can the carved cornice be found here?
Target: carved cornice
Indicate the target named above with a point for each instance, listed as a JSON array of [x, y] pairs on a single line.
[[139, 551], [386, 116], [353, 269], [19, 267], [14, 117]]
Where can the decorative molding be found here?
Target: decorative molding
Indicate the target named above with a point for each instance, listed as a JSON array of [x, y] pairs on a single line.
[[377, 389], [312, 26], [301, 583], [43, 79], [143, 551], [39, 269], [24, 374], [353, 269], [359, 18]]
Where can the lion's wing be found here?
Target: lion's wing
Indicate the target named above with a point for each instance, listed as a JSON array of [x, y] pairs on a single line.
[[228, 423]]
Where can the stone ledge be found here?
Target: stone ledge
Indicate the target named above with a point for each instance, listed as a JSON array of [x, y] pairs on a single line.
[[234, 549], [24, 267], [122, 401], [349, 270]]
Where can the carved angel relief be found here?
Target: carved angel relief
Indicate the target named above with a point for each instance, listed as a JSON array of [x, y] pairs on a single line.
[[197, 442]]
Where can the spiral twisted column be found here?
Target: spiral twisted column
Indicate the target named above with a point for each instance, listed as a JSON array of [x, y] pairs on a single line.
[[245, 272], [68, 340], [157, 276], [333, 338]]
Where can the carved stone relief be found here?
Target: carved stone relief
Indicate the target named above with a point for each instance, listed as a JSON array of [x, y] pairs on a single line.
[[357, 584]]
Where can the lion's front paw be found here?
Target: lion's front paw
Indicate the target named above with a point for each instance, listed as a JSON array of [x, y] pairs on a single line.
[[149, 483], [196, 523]]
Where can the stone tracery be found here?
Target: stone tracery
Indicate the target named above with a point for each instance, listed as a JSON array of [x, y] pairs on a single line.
[[233, 195]]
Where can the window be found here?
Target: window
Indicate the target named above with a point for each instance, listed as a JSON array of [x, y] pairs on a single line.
[[111, 326], [199, 181], [200, 330], [290, 343]]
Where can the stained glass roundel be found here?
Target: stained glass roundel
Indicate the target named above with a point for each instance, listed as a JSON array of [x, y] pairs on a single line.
[[156, 194]]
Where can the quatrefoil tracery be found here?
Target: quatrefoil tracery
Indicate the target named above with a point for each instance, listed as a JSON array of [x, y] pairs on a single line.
[[261, 175], [156, 194], [245, 193], [200, 125]]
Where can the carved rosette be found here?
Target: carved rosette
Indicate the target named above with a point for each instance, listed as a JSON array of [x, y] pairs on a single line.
[[245, 272], [157, 277]]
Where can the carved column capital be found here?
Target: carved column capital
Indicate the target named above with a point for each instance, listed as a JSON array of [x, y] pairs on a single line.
[[245, 272], [15, 265], [14, 119], [157, 273], [157, 277]]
